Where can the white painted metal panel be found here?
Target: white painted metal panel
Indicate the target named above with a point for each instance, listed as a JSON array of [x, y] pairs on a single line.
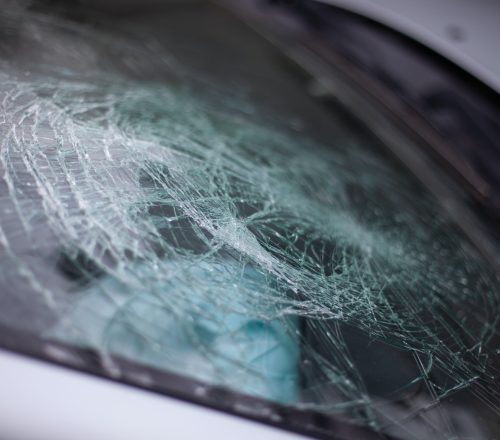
[[40, 401], [465, 31]]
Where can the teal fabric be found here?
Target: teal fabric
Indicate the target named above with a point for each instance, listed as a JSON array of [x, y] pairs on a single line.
[[186, 324]]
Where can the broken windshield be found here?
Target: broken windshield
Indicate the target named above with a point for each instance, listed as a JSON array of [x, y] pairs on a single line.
[[180, 200]]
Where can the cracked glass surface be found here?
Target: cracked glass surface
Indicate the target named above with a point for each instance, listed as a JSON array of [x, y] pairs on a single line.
[[183, 203]]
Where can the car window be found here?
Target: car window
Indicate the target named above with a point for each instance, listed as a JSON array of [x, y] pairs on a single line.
[[175, 197]]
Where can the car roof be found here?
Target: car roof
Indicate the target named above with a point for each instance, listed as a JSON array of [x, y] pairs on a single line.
[[465, 32]]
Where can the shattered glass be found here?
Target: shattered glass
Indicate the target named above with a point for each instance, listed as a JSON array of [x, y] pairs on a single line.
[[167, 210]]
